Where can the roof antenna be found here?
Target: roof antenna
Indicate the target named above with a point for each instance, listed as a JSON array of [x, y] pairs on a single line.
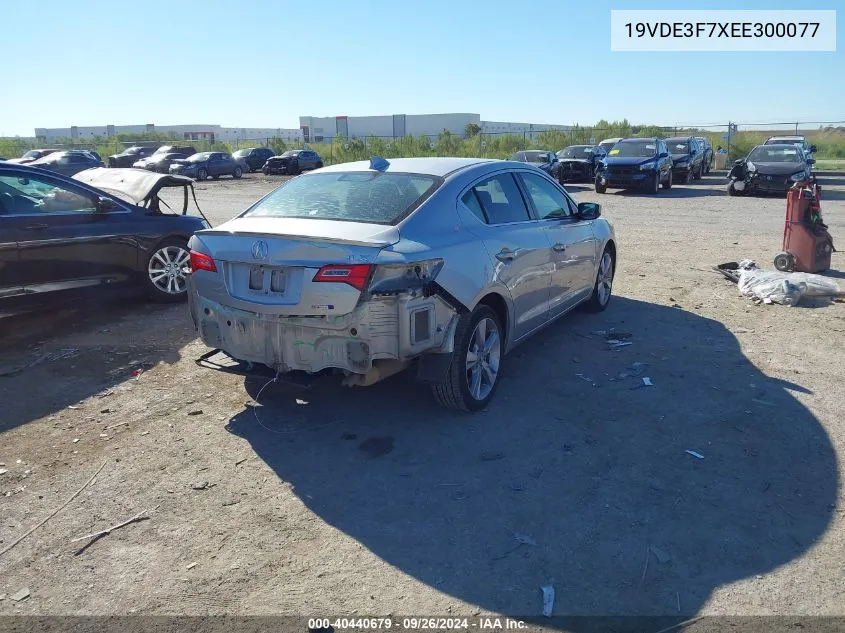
[[378, 163]]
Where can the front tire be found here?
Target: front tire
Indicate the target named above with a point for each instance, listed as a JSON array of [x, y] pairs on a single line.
[[655, 183], [165, 278], [600, 188], [603, 288], [668, 183], [202, 174], [473, 374], [237, 173]]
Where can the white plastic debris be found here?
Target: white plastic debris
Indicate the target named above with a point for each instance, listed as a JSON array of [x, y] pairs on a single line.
[[647, 381], [783, 288], [548, 600], [695, 454]]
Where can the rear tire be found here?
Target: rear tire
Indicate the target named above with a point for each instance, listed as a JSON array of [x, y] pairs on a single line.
[[475, 368], [164, 279], [237, 173], [733, 191], [202, 174]]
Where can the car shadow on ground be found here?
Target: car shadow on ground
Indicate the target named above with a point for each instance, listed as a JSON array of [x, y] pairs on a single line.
[[576, 474], [49, 361]]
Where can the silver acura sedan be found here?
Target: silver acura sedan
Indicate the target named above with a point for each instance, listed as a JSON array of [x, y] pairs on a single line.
[[367, 268]]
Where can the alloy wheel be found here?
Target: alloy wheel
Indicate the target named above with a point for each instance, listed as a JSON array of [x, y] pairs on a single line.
[[166, 269], [604, 285], [483, 357]]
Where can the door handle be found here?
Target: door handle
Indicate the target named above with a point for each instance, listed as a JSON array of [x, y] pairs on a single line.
[[35, 227], [559, 247], [505, 255]]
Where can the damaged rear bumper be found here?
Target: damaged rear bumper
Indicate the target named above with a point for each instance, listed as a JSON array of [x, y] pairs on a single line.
[[381, 331]]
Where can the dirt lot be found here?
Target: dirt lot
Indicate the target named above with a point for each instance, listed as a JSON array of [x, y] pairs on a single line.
[[373, 501]]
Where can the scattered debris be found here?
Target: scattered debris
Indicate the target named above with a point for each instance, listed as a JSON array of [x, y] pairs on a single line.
[[114, 426], [137, 372], [661, 556], [54, 512], [516, 486], [105, 394], [75, 440], [195, 412], [3, 471], [107, 410], [191, 566], [62, 353], [241, 461], [694, 454], [231, 502], [376, 446], [777, 287], [647, 382], [141, 516], [23, 594], [524, 539], [678, 598], [548, 600], [200, 485], [618, 336], [491, 456], [104, 436], [145, 432], [584, 378]]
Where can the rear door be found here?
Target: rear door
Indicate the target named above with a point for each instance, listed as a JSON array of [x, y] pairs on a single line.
[[11, 284], [518, 247], [574, 245], [64, 244]]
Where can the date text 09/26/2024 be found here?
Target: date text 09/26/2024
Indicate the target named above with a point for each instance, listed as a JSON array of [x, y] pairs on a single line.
[[481, 624]]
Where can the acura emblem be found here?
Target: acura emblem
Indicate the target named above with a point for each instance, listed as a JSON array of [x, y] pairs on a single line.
[[260, 250]]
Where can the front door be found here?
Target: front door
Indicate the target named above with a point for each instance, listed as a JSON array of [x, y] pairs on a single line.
[[518, 247], [64, 243], [573, 243]]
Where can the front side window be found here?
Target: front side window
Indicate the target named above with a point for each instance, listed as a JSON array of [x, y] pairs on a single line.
[[380, 198], [547, 199], [501, 200], [25, 196]]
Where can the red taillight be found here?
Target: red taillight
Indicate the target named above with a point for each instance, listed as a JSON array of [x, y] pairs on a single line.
[[201, 261], [356, 275]]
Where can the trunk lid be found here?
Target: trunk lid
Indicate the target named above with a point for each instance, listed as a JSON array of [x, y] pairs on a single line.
[[269, 264]]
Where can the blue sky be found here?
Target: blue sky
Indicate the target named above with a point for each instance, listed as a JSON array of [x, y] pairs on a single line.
[[263, 63]]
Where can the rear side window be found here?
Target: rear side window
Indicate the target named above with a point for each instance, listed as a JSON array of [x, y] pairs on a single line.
[[500, 200], [378, 198]]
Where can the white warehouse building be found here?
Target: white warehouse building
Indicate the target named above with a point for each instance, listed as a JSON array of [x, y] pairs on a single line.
[[311, 129], [196, 132]]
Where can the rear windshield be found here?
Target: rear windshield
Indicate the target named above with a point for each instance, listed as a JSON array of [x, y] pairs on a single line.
[[378, 198]]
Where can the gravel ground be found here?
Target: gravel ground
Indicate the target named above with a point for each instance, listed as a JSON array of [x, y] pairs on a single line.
[[332, 500]]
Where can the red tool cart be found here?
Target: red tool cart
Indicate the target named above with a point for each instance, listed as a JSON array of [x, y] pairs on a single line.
[[807, 246]]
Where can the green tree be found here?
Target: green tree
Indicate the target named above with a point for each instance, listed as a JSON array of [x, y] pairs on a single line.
[[472, 129]]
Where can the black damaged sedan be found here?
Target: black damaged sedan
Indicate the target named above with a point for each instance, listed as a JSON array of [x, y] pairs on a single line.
[[771, 169], [579, 163], [89, 237]]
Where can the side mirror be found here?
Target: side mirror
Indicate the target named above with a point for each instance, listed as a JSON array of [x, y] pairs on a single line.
[[811, 161], [589, 210], [104, 205], [663, 155], [739, 161], [813, 149]]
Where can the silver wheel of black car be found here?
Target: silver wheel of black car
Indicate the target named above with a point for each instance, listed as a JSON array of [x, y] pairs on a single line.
[[237, 173], [166, 271], [473, 374], [202, 174]]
